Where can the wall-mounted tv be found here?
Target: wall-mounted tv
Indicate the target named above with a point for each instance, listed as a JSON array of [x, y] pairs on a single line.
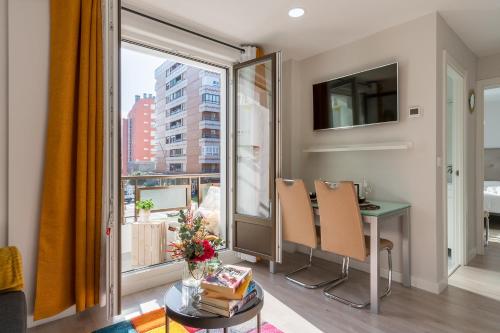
[[365, 98]]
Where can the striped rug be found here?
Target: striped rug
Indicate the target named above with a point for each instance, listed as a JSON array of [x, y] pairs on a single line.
[[154, 322]]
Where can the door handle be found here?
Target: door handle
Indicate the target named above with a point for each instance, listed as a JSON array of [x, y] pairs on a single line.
[[457, 173]]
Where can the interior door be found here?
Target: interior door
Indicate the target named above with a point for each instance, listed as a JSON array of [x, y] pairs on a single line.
[[454, 135], [257, 157]]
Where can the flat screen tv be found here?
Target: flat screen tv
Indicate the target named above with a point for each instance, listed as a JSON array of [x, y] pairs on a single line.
[[365, 98]]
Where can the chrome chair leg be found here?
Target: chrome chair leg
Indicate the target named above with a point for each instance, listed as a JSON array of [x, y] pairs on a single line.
[[345, 273], [288, 276], [389, 275]]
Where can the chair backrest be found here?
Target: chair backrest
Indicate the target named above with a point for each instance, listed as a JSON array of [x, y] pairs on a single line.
[[296, 212], [340, 219]]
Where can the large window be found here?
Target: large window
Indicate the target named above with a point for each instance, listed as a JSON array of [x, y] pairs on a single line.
[[166, 156]]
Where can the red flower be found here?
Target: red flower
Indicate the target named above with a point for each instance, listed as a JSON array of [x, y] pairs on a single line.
[[208, 252]]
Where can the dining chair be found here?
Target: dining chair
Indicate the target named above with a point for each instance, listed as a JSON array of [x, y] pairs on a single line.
[[298, 223], [342, 232]]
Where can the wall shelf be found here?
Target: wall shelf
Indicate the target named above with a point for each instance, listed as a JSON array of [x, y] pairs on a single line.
[[360, 147]]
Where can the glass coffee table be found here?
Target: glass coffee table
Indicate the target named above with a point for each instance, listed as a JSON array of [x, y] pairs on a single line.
[[181, 307]]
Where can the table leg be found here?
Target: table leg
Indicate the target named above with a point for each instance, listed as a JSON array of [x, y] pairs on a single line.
[[272, 267], [226, 329], [259, 324], [167, 324], [405, 225], [374, 264]]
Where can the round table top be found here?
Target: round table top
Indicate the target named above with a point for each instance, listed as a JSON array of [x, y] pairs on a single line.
[[179, 306]]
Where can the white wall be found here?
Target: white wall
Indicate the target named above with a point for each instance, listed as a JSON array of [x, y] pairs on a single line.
[[28, 79], [491, 123], [488, 67], [447, 39], [3, 123], [408, 176]]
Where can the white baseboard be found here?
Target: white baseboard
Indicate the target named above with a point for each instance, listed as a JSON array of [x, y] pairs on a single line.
[[432, 287], [157, 276], [472, 253]]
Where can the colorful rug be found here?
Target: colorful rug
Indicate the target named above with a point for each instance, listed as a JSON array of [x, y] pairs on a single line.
[[154, 322]]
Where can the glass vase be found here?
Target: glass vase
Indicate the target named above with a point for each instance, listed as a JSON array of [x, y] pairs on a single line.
[[193, 273]]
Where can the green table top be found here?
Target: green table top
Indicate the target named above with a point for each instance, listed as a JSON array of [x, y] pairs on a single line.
[[385, 208]]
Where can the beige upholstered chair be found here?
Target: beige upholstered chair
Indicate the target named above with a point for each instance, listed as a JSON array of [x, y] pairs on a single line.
[[298, 222], [342, 231]]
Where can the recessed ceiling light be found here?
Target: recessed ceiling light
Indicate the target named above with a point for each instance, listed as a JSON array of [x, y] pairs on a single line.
[[296, 12]]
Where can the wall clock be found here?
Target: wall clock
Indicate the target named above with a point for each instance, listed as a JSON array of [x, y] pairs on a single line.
[[472, 101]]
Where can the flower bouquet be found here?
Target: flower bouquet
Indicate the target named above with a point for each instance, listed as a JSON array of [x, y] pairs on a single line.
[[195, 245]]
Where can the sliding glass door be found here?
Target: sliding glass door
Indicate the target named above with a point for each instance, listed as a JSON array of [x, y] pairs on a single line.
[[255, 228]]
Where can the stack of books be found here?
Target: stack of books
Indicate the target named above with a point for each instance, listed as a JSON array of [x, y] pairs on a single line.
[[227, 290]]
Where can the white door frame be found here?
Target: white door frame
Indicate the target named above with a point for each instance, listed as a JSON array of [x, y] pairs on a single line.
[[481, 86], [460, 207]]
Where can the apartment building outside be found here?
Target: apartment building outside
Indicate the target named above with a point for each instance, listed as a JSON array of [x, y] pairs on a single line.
[[187, 133], [138, 153]]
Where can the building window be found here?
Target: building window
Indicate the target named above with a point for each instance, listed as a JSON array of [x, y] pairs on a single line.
[[210, 98], [176, 124], [176, 109], [210, 116], [212, 134], [175, 167], [172, 97], [176, 152], [174, 138], [210, 168], [210, 150], [173, 82], [172, 68]]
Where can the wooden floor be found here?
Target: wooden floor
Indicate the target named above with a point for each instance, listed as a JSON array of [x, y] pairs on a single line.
[[406, 310], [482, 275]]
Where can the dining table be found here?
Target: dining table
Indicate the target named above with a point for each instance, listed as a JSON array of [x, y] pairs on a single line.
[[376, 215]]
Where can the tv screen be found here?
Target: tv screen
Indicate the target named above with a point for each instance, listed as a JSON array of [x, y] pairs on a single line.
[[365, 98]]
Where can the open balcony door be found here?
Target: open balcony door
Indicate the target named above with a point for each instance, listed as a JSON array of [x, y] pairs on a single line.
[[257, 157]]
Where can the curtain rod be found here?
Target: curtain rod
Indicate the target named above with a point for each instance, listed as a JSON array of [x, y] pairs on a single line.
[[183, 29]]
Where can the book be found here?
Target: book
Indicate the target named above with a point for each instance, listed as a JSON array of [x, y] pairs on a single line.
[[234, 306], [214, 299], [240, 292], [226, 279]]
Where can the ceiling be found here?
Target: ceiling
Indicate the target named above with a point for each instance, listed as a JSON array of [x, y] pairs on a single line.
[[326, 23]]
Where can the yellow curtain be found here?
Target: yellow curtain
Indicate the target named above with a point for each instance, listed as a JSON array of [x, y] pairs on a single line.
[[70, 218]]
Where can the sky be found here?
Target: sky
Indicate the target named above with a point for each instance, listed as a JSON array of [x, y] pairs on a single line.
[[137, 76]]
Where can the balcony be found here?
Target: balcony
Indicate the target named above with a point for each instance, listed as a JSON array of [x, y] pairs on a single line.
[[145, 240], [175, 158], [210, 124], [179, 129], [213, 159], [176, 144], [176, 72], [176, 102], [208, 89], [179, 85], [210, 107], [209, 140], [176, 115]]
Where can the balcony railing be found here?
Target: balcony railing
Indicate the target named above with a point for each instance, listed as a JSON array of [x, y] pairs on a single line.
[[209, 124], [145, 240], [209, 107]]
